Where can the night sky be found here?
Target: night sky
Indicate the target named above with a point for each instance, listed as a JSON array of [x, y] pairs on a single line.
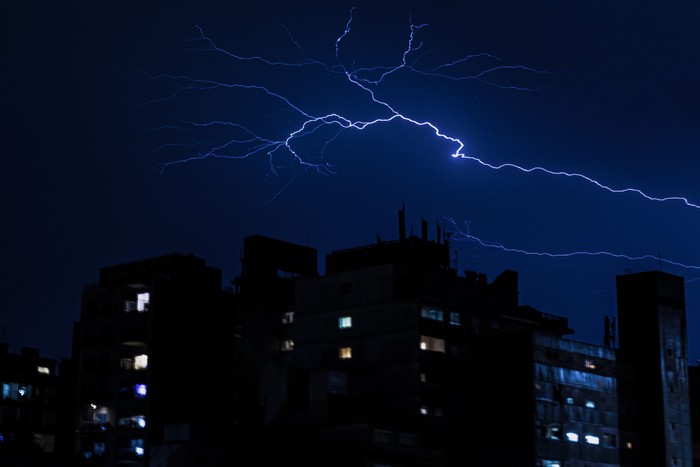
[[101, 100]]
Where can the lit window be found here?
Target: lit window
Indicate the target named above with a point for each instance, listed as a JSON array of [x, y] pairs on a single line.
[[455, 319], [432, 343], [142, 301], [569, 400], [590, 364], [345, 353], [550, 463], [424, 410], [590, 404], [423, 378], [591, 439], [287, 345], [551, 431], [137, 447], [345, 322], [628, 445], [140, 391], [573, 437], [141, 362], [129, 306], [431, 313], [42, 370], [288, 317], [99, 447], [136, 421]]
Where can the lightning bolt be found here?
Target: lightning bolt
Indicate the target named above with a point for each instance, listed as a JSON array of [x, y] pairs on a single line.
[[246, 142], [465, 235], [323, 129]]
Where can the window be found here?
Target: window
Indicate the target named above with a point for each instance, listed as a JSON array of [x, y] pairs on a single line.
[[628, 445], [282, 274], [142, 301], [432, 344], [345, 353], [16, 391], [138, 362], [609, 440], [381, 436], [590, 404], [423, 378], [43, 370], [136, 421], [455, 318], [140, 391], [408, 439], [137, 447], [571, 436], [592, 439], [424, 410], [288, 317], [569, 400], [99, 448], [287, 345], [431, 313], [345, 322], [337, 383], [590, 364], [141, 362], [550, 463], [551, 431]]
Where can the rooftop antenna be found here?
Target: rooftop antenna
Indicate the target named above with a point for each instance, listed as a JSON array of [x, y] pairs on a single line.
[[402, 222]]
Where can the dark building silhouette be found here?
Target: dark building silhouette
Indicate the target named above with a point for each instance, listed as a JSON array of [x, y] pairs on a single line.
[[28, 407], [653, 370], [151, 359], [694, 383], [391, 358]]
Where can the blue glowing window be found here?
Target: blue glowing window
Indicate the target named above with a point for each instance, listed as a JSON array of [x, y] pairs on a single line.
[[140, 391], [345, 322], [431, 313]]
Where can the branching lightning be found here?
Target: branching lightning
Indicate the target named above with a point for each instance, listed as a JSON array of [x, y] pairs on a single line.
[[326, 128], [464, 234]]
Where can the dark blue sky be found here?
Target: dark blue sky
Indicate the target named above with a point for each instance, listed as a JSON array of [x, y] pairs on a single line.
[[82, 185]]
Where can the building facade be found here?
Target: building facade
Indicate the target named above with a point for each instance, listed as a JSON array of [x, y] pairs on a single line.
[[149, 359]]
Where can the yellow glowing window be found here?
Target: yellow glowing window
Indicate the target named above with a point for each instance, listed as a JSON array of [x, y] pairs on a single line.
[[345, 353], [432, 343]]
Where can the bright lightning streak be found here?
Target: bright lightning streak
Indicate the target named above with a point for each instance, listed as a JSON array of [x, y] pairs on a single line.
[[466, 235], [248, 143]]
